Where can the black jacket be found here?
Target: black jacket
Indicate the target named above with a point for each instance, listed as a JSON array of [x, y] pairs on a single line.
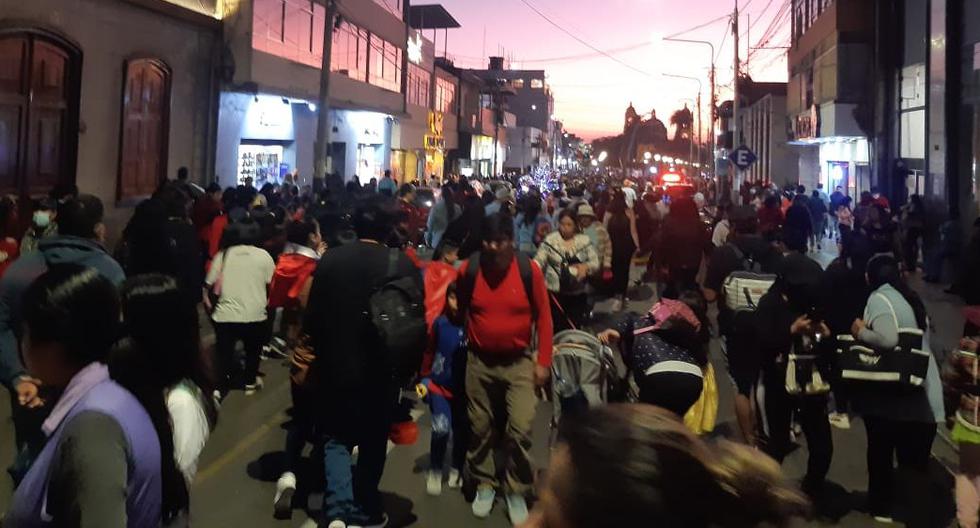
[[354, 378]]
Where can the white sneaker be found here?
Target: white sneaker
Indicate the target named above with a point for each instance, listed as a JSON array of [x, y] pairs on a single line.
[[337, 524], [433, 483], [455, 479], [483, 503], [254, 387], [839, 420], [516, 509], [282, 504], [884, 520]]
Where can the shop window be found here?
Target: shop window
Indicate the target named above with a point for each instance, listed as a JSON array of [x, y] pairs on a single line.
[[445, 96], [518, 83], [39, 86], [537, 84], [143, 151]]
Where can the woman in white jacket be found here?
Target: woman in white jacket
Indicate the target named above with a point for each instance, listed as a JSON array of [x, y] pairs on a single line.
[[567, 258]]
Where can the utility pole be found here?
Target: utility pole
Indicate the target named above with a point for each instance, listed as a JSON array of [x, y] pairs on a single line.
[[320, 156], [700, 160], [736, 132]]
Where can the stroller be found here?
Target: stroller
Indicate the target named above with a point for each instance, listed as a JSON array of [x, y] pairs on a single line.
[[585, 374]]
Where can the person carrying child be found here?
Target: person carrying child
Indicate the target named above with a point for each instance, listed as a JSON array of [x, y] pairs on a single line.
[[442, 388]]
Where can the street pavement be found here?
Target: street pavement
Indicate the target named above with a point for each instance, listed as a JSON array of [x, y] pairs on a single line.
[[243, 458]]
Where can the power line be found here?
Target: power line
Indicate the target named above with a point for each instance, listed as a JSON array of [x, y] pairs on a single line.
[[700, 26], [580, 40]]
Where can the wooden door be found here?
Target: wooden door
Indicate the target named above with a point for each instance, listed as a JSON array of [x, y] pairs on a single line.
[[146, 103], [38, 113]]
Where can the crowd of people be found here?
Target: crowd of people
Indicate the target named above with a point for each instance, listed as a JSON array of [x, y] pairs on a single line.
[[114, 395]]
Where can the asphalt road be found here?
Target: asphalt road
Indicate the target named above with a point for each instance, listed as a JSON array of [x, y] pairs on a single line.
[[236, 481]]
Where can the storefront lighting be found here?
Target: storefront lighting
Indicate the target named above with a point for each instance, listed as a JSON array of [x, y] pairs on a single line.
[[311, 106], [603, 155], [668, 159], [656, 157], [595, 163], [653, 170], [647, 156], [534, 107]]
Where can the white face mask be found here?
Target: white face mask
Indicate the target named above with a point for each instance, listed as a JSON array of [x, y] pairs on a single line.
[[42, 218]]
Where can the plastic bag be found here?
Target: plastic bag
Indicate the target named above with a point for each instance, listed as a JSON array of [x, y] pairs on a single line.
[[701, 418]]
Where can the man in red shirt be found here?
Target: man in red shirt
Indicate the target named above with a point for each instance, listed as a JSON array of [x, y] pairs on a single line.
[[503, 300]]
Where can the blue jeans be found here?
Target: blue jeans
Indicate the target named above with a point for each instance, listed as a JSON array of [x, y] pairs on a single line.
[[352, 492]]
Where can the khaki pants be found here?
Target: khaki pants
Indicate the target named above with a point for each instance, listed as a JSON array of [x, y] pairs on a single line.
[[495, 385]]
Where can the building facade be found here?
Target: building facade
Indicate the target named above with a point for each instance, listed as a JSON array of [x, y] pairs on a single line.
[[268, 104], [763, 128], [829, 95], [115, 115], [525, 94]]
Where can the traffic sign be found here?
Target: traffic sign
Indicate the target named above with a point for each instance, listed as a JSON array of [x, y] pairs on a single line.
[[742, 157]]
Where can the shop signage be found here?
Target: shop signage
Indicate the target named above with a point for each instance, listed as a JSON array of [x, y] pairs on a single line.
[[807, 126], [434, 139], [434, 143], [415, 48]]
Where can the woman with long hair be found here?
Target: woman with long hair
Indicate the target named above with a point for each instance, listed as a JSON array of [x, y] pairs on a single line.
[[109, 458], [637, 465], [162, 363], [901, 423], [620, 222]]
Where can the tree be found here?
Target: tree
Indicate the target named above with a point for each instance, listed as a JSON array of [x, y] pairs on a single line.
[[683, 121]]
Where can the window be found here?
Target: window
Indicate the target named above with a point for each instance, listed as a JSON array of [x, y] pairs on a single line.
[[349, 54], [445, 96], [385, 61], [518, 83], [418, 85], [537, 84], [39, 83], [143, 153]]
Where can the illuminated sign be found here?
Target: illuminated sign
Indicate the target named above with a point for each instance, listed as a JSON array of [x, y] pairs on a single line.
[[807, 126], [415, 48]]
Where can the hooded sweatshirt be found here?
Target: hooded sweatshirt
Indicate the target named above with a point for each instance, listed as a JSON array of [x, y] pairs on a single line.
[[19, 276]]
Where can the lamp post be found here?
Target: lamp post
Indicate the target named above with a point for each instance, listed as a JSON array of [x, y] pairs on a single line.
[[711, 80]]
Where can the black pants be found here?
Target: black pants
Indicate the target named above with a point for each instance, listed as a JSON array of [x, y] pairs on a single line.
[[909, 442], [227, 336], [811, 411], [675, 391], [911, 248], [680, 279], [301, 427], [570, 310]]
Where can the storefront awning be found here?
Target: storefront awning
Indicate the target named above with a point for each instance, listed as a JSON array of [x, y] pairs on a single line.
[[431, 16]]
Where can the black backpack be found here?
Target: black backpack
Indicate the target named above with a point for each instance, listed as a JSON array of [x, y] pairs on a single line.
[[397, 310], [464, 291]]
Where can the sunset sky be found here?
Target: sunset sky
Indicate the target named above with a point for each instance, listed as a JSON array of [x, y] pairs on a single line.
[[591, 90]]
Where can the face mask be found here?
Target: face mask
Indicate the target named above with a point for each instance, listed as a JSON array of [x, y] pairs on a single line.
[[42, 218]]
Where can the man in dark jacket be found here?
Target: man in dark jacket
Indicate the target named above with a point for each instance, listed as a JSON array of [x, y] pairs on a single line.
[[357, 393], [79, 241]]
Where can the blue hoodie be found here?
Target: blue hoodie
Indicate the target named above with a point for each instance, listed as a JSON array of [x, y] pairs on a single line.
[[20, 275]]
